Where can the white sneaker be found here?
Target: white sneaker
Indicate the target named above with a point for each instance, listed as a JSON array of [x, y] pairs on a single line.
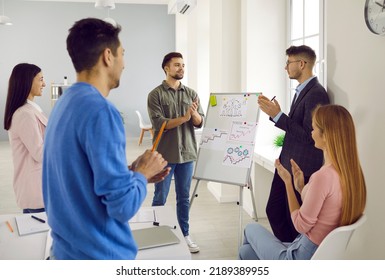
[[193, 247]]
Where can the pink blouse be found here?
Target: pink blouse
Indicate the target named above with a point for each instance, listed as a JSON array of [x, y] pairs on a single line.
[[26, 136], [320, 212]]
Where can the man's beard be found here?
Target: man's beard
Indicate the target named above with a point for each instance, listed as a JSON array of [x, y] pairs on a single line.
[[177, 76]]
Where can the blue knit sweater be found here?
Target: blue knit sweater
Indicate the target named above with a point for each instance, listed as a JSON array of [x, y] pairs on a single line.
[[89, 193]]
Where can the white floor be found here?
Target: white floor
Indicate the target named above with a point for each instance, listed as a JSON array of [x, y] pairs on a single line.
[[214, 226]]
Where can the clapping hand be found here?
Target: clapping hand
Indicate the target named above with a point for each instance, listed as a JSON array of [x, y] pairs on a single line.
[[285, 175], [298, 176], [282, 172]]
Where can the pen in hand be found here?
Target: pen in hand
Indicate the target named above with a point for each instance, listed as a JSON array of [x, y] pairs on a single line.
[[155, 145], [37, 219]]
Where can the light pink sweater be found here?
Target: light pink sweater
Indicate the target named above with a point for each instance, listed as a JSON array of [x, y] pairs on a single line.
[[26, 137], [320, 212]]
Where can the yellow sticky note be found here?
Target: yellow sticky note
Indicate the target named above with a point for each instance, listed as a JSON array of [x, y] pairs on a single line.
[[213, 100]]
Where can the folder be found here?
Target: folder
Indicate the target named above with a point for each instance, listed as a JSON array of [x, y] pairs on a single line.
[[152, 237]]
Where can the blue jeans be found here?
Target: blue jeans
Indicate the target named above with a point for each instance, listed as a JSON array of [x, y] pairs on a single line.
[[261, 244], [183, 175]]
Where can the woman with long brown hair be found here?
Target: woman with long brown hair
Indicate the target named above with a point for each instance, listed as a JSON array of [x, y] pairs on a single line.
[[26, 122], [334, 196]]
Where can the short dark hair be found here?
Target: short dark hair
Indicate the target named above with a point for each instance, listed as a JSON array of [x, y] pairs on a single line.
[[170, 56], [19, 87], [88, 38], [305, 51]]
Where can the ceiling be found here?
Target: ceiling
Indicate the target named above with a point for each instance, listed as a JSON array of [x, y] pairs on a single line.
[[116, 1]]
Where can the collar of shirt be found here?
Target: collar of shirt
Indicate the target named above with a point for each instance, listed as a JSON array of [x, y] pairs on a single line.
[[300, 87], [167, 86], [35, 105]]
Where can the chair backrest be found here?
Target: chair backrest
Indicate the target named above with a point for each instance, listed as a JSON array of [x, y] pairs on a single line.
[[141, 122], [334, 245]]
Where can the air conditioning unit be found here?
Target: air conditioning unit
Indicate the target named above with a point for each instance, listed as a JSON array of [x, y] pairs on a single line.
[[181, 6]]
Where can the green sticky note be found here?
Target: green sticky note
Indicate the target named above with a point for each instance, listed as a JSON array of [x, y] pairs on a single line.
[[213, 100]]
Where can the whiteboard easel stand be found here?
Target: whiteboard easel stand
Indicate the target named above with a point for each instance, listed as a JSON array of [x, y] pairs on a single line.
[[239, 203], [227, 113]]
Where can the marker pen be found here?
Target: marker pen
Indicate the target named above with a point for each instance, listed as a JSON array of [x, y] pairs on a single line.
[[37, 219]]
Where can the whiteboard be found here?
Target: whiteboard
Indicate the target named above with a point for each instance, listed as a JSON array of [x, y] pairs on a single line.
[[227, 143]]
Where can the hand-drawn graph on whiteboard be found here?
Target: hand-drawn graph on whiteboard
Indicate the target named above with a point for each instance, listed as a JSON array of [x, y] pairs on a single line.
[[238, 155], [242, 131], [213, 139]]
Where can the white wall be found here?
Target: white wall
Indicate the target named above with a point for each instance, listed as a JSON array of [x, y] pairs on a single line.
[[193, 41], [263, 57], [355, 71]]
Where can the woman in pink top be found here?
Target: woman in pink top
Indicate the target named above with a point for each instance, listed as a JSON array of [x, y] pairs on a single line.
[[26, 124], [334, 196]]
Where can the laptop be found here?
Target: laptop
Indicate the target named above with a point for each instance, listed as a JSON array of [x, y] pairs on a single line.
[[152, 237]]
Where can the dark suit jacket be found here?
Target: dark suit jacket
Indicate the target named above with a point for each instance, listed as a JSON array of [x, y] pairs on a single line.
[[298, 144]]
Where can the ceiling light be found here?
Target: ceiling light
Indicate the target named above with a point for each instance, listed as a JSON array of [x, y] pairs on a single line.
[[4, 20], [105, 4], [108, 5]]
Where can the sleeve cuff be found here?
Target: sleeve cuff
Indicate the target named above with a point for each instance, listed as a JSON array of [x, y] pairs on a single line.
[[276, 118]]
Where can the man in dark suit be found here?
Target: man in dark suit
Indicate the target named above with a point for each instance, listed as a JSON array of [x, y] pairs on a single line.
[[298, 143]]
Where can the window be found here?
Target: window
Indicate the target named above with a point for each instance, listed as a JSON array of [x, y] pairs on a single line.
[[306, 28]]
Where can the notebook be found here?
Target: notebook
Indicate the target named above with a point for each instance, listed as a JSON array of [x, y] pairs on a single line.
[[152, 237], [28, 225]]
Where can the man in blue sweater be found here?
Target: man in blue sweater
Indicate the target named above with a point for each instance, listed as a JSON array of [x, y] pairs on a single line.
[[89, 191]]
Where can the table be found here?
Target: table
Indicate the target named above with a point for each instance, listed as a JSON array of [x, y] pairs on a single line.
[[15, 247], [36, 246], [262, 175]]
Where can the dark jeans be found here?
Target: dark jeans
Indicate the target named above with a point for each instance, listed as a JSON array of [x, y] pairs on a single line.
[[28, 211]]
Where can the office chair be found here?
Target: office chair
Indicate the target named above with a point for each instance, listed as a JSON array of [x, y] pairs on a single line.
[[334, 246], [144, 127]]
